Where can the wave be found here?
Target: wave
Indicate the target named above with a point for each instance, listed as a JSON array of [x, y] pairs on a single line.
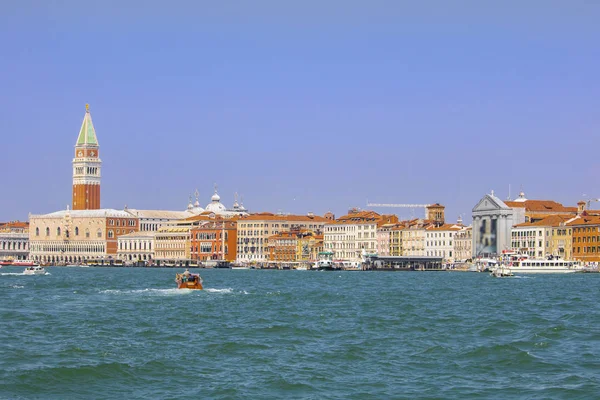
[[226, 290], [172, 291], [19, 274]]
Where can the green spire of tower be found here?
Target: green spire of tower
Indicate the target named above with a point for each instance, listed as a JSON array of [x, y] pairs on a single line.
[[87, 134]]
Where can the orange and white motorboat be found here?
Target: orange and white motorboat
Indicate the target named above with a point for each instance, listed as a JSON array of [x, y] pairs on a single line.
[[187, 280]]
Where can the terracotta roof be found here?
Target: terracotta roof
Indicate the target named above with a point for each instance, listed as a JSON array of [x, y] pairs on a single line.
[[276, 217], [445, 227], [550, 220], [585, 220], [360, 217], [540, 206], [14, 224]]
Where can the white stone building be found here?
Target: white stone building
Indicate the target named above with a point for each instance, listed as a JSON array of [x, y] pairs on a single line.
[[14, 241], [136, 247], [439, 241], [348, 235]]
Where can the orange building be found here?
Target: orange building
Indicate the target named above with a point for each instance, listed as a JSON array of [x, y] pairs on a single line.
[[86, 167], [585, 237], [213, 238], [282, 247]]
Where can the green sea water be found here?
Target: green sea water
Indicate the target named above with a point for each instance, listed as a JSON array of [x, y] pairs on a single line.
[[127, 333]]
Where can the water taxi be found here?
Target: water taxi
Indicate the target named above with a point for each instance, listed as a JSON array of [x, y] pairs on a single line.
[[35, 270], [188, 280]]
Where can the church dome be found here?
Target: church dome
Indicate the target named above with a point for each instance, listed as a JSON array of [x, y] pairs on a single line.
[[215, 197]]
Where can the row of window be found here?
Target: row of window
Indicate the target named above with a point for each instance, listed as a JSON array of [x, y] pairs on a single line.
[[67, 233], [118, 222]]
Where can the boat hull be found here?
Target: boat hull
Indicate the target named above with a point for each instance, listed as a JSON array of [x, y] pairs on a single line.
[[545, 270], [34, 272], [191, 281], [190, 285]]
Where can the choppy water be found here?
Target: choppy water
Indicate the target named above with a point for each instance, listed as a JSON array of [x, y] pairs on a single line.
[[127, 333]]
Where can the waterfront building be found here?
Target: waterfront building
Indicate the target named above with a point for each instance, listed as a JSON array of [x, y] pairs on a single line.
[[254, 230], [439, 241], [213, 237], [282, 247], [384, 234], [463, 244], [348, 235], [535, 238], [396, 240], [14, 240], [413, 237], [136, 247], [172, 245], [86, 167], [585, 230], [78, 235], [309, 245], [561, 241]]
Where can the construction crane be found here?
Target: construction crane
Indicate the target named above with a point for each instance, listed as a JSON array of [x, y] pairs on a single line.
[[393, 205], [591, 200]]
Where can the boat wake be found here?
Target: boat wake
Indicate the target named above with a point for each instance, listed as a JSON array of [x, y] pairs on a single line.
[[150, 292], [212, 290], [19, 274]]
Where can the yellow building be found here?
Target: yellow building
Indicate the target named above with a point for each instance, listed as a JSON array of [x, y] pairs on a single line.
[[308, 247], [172, 245]]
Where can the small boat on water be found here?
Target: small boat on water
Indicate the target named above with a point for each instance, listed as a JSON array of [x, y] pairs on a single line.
[[5, 262], [35, 270], [187, 280], [501, 272]]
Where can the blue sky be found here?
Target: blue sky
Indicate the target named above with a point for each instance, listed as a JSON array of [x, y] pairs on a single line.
[[305, 107]]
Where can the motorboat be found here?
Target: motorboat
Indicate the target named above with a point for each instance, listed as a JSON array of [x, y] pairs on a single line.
[[35, 270], [188, 280], [5, 263], [501, 271]]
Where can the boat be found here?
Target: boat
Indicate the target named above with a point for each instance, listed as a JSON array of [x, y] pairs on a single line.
[[5, 262], [34, 270], [325, 261], [24, 263], [301, 267], [501, 271], [240, 267], [551, 265], [188, 280]]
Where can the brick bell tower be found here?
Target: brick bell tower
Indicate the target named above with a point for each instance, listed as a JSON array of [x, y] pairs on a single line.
[[86, 167]]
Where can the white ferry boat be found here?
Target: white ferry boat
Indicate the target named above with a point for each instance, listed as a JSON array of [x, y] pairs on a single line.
[[549, 266]]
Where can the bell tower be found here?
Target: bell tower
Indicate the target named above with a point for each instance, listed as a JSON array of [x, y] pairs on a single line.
[[86, 167]]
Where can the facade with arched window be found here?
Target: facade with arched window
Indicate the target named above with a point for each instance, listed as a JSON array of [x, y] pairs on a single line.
[[14, 241], [79, 236], [136, 247]]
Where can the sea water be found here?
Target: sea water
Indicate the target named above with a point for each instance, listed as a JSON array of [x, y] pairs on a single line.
[[107, 333]]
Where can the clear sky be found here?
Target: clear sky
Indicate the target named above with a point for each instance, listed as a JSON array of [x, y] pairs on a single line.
[[315, 106]]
